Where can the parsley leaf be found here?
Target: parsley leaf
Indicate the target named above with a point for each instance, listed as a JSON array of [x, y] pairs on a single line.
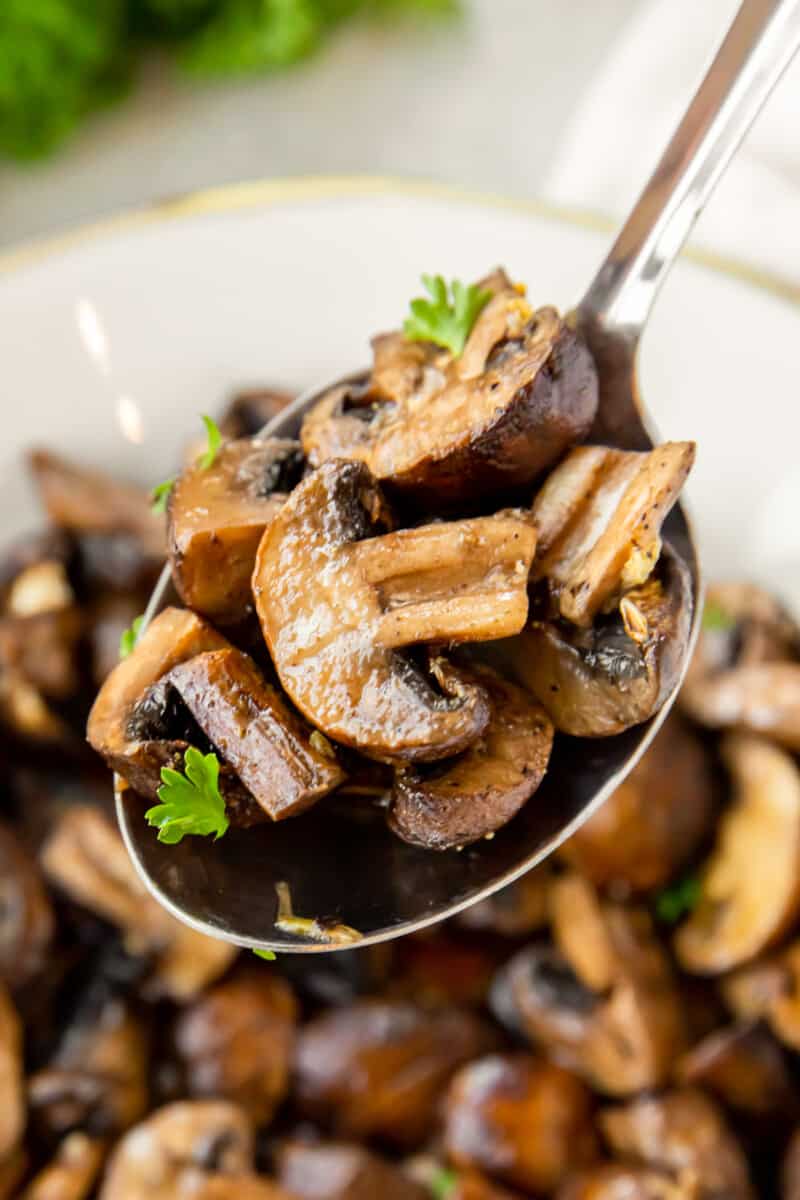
[[267, 955], [130, 637], [716, 618], [442, 1183], [678, 900], [190, 803], [214, 442], [448, 317], [160, 495]]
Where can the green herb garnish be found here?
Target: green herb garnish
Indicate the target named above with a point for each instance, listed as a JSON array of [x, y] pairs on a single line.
[[442, 1183], [448, 317], [268, 955], [130, 637], [678, 900], [190, 803], [159, 497], [206, 460], [716, 618]]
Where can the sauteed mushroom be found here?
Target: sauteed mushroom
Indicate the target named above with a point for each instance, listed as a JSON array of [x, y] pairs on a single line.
[[335, 609], [516, 910], [599, 681], [248, 412], [769, 989], [450, 804], [72, 1172], [750, 888], [12, 1093], [217, 515], [377, 1069], [236, 1043], [342, 1171], [522, 392], [654, 822], [520, 1119], [681, 1132], [612, 1181], [26, 914]]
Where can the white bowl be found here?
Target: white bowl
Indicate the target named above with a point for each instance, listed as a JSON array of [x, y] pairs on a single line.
[[114, 339]]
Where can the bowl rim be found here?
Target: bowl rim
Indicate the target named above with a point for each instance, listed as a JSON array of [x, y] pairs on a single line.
[[263, 192]]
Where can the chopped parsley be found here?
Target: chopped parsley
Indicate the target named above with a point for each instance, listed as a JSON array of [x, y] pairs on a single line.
[[159, 497], [716, 618], [130, 637], [206, 459], [442, 1183], [448, 317], [678, 900], [267, 955], [190, 803]]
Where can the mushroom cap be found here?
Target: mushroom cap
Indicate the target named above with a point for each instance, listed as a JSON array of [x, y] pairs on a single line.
[[343, 1171], [318, 614], [459, 801], [750, 891]]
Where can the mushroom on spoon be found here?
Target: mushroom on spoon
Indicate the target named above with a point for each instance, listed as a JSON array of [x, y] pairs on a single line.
[[353, 874]]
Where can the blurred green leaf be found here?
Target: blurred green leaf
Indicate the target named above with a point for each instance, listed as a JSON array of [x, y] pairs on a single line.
[[245, 36]]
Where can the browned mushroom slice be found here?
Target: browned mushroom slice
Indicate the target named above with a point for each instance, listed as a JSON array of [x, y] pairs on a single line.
[[770, 989], [203, 1149], [763, 698], [653, 823], [750, 887], [72, 1172], [599, 517], [236, 1043], [523, 391], [26, 914], [86, 857], [614, 1181], [268, 746], [334, 608], [600, 681], [343, 1171], [12, 1090], [217, 516], [520, 1119], [97, 1079], [92, 502], [248, 412], [456, 802], [516, 910], [681, 1132], [377, 1068]]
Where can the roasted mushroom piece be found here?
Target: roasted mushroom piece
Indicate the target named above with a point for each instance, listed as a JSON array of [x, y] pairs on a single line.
[[217, 515], [248, 412], [750, 887], [449, 804], [72, 1172], [769, 989], [523, 391], [26, 914], [342, 1171], [599, 681], [236, 1043], [12, 1092], [336, 605], [521, 1119], [613, 1181], [684, 1134], [654, 822], [376, 1069], [518, 909], [86, 857]]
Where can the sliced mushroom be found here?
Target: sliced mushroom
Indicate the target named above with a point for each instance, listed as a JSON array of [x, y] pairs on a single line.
[[12, 1085], [613, 1181], [236, 1043], [85, 501], [203, 1149], [72, 1172], [598, 518], [342, 1171], [654, 822], [518, 909], [335, 609], [681, 1132], [520, 1119], [770, 989], [217, 516], [599, 681], [763, 698], [85, 856], [750, 887], [248, 412], [377, 1068], [450, 804], [26, 914], [523, 391], [97, 1079]]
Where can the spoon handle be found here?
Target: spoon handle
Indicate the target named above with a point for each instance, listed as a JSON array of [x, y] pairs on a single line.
[[757, 49]]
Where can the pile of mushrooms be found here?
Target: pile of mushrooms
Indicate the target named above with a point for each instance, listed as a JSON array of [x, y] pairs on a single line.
[[436, 577], [623, 1022]]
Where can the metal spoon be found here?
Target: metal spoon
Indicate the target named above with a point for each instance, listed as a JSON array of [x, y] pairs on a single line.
[[352, 870]]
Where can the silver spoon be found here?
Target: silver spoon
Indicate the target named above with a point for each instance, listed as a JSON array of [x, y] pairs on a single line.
[[354, 871]]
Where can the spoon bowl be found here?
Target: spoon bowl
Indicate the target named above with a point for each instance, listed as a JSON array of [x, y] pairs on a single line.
[[342, 865]]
